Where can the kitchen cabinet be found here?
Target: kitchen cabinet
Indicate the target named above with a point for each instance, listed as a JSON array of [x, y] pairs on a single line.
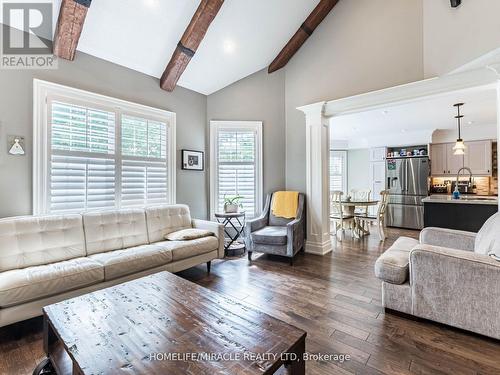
[[378, 154], [377, 174], [478, 157], [458, 215], [377, 177], [438, 159], [454, 162]]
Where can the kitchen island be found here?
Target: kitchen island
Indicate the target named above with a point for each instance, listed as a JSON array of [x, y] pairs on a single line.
[[468, 213]]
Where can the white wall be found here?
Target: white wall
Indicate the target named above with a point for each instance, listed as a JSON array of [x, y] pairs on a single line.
[[361, 45], [358, 169], [396, 139], [453, 37], [469, 133]]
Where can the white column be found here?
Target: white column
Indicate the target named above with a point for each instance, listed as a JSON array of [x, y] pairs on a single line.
[[317, 179], [498, 122]]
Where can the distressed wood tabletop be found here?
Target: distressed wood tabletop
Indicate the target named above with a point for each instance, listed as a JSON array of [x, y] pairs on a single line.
[[154, 324]]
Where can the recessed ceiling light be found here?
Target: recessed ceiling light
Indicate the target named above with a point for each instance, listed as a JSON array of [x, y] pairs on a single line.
[[385, 112], [403, 130], [229, 46], [151, 3], [470, 122]]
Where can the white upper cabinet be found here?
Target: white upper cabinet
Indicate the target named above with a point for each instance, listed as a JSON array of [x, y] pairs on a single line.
[[478, 157], [454, 162], [439, 164], [378, 154]]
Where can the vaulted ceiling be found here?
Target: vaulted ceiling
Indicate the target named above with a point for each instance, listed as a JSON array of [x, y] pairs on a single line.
[[244, 38]]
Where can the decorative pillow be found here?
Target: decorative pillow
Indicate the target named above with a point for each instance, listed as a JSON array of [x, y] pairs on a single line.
[[488, 238], [188, 234]]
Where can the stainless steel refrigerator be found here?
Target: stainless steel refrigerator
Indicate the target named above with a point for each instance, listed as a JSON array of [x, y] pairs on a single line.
[[407, 182]]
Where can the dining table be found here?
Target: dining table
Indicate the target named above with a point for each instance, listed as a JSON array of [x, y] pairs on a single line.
[[349, 207]]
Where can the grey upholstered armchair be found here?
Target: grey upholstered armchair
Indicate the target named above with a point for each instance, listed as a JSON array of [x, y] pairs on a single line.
[[448, 276], [275, 235]]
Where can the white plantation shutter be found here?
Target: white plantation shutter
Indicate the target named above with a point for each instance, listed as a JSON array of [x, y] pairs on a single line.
[[79, 183], [237, 172], [338, 170], [144, 162], [98, 156], [82, 174]]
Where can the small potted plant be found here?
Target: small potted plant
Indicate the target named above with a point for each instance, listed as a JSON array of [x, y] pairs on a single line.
[[231, 204]]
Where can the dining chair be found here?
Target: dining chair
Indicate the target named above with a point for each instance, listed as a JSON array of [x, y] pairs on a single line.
[[362, 195], [338, 216], [379, 217]]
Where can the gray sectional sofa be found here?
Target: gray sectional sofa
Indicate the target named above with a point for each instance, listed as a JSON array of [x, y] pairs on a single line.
[[48, 259], [447, 276]]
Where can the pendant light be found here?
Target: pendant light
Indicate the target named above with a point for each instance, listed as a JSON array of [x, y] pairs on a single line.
[[459, 147]]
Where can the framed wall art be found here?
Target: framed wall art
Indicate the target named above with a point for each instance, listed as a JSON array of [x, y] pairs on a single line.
[[193, 160]]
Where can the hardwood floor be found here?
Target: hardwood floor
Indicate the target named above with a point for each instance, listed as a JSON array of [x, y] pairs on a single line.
[[336, 299]]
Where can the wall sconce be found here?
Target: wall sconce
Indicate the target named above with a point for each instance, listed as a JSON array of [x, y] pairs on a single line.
[[16, 145]]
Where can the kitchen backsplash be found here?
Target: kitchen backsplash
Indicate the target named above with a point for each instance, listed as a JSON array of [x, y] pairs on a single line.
[[494, 186], [485, 185]]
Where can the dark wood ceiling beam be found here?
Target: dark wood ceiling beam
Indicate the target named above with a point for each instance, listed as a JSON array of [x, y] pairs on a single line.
[[69, 27], [189, 43], [303, 33]]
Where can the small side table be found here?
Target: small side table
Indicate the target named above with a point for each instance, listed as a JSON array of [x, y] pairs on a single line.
[[235, 221]]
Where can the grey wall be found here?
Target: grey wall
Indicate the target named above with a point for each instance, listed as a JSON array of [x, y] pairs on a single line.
[[358, 169], [99, 76], [361, 46], [259, 97]]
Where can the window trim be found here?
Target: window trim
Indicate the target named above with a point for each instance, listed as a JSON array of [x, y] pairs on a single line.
[[255, 126], [44, 90]]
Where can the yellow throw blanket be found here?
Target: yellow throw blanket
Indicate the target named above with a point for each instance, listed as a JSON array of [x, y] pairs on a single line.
[[285, 204]]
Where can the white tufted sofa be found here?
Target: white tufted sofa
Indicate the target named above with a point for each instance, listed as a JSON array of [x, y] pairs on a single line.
[[48, 259]]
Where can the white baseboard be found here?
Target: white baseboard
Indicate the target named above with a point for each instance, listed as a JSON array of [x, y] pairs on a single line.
[[319, 248]]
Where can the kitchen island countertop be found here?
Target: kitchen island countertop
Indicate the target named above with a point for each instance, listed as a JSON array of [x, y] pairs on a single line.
[[485, 200]]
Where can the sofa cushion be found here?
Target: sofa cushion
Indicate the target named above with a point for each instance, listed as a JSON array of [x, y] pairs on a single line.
[[124, 262], [114, 230], [188, 234], [162, 220], [488, 237], [27, 284], [393, 265], [270, 236], [188, 249], [36, 240]]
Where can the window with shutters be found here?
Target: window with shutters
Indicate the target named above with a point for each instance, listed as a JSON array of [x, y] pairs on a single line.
[[338, 171], [95, 152], [236, 164]]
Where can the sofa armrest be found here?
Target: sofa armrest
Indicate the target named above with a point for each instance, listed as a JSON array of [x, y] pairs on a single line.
[[455, 287], [453, 239], [295, 236], [256, 224], [216, 228]]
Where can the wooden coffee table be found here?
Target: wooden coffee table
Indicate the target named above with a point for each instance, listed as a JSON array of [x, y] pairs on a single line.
[[163, 324]]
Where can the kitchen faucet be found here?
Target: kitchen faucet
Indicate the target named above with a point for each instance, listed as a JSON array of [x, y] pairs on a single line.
[[458, 175]]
